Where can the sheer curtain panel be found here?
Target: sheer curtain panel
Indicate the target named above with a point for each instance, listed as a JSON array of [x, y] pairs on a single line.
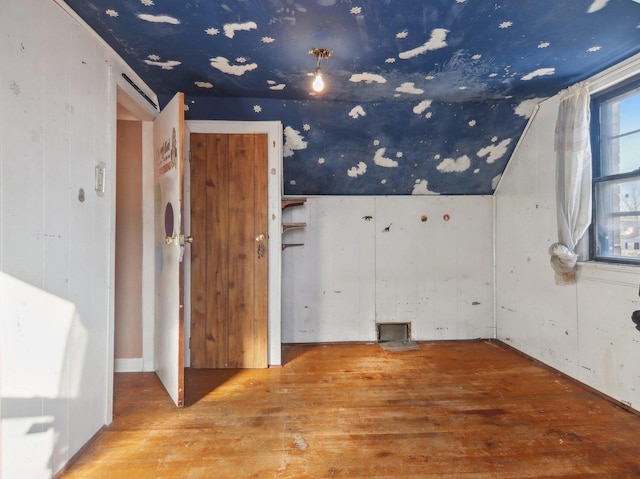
[[573, 179]]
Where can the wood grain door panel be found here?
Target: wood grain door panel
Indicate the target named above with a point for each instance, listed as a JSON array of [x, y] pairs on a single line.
[[229, 277]]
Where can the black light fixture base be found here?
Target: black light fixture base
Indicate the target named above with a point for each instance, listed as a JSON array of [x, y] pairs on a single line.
[[321, 53]]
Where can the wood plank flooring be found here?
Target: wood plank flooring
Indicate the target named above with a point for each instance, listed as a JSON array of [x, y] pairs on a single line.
[[451, 409]]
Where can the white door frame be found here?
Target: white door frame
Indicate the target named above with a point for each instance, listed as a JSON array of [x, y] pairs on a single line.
[[273, 129], [139, 107]]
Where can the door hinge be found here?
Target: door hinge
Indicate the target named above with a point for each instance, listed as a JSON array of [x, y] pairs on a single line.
[[189, 156], [189, 343]]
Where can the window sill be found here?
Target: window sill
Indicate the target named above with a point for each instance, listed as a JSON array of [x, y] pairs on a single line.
[[616, 273]]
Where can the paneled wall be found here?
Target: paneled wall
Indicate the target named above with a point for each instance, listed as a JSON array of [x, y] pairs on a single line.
[[57, 122], [388, 259], [585, 329]]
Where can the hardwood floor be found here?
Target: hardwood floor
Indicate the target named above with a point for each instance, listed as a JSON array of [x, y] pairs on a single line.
[[451, 409]]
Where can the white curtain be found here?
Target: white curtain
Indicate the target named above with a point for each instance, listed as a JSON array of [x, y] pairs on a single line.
[[573, 179]]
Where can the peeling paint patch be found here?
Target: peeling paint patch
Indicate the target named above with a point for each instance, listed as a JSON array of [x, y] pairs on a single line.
[[421, 188], [367, 78], [358, 170], [409, 87], [494, 152], [437, 41], [356, 112], [293, 140], [223, 64], [526, 107], [449, 165], [539, 73], [158, 19], [421, 107], [300, 443], [380, 160], [168, 65], [15, 88], [597, 5], [230, 29]]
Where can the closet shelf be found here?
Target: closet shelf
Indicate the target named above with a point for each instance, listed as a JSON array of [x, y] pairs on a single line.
[[290, 245], [286, 202], [290, 226]]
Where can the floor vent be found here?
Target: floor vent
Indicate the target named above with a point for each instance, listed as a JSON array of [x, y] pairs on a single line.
[[393, 331]]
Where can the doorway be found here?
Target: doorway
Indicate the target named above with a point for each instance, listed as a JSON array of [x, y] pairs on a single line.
[[273, 240], [133, 283], [128, 243]]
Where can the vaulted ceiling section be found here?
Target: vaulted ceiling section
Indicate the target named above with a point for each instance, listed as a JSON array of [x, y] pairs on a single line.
[[421, 97]]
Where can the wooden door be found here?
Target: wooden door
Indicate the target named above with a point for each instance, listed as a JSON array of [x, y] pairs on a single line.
[[229, 260], [168, 142]]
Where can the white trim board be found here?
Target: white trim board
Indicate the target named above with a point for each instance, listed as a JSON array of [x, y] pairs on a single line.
[[128, 365]]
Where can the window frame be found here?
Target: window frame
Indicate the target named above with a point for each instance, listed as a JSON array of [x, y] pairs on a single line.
[[597, 161]]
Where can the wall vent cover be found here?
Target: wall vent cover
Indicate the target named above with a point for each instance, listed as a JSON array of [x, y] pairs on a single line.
[[393, 331]]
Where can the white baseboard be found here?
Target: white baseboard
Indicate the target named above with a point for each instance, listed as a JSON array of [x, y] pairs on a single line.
[[128, 365]]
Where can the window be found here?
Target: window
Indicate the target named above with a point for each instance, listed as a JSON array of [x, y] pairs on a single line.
[[615, 119]]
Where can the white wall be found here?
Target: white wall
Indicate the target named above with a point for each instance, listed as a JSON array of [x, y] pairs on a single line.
[[57, 122], [128, 258], [437, 275], [583, 330]]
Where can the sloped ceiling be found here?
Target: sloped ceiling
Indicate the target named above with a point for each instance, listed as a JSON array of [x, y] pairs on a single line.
[[422, 97]]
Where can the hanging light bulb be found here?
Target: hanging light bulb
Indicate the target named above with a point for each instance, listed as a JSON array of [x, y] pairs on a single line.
[[318, 82], [320, 54]]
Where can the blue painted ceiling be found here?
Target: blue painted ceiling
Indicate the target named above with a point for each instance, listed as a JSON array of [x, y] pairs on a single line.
[[422, 97]]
